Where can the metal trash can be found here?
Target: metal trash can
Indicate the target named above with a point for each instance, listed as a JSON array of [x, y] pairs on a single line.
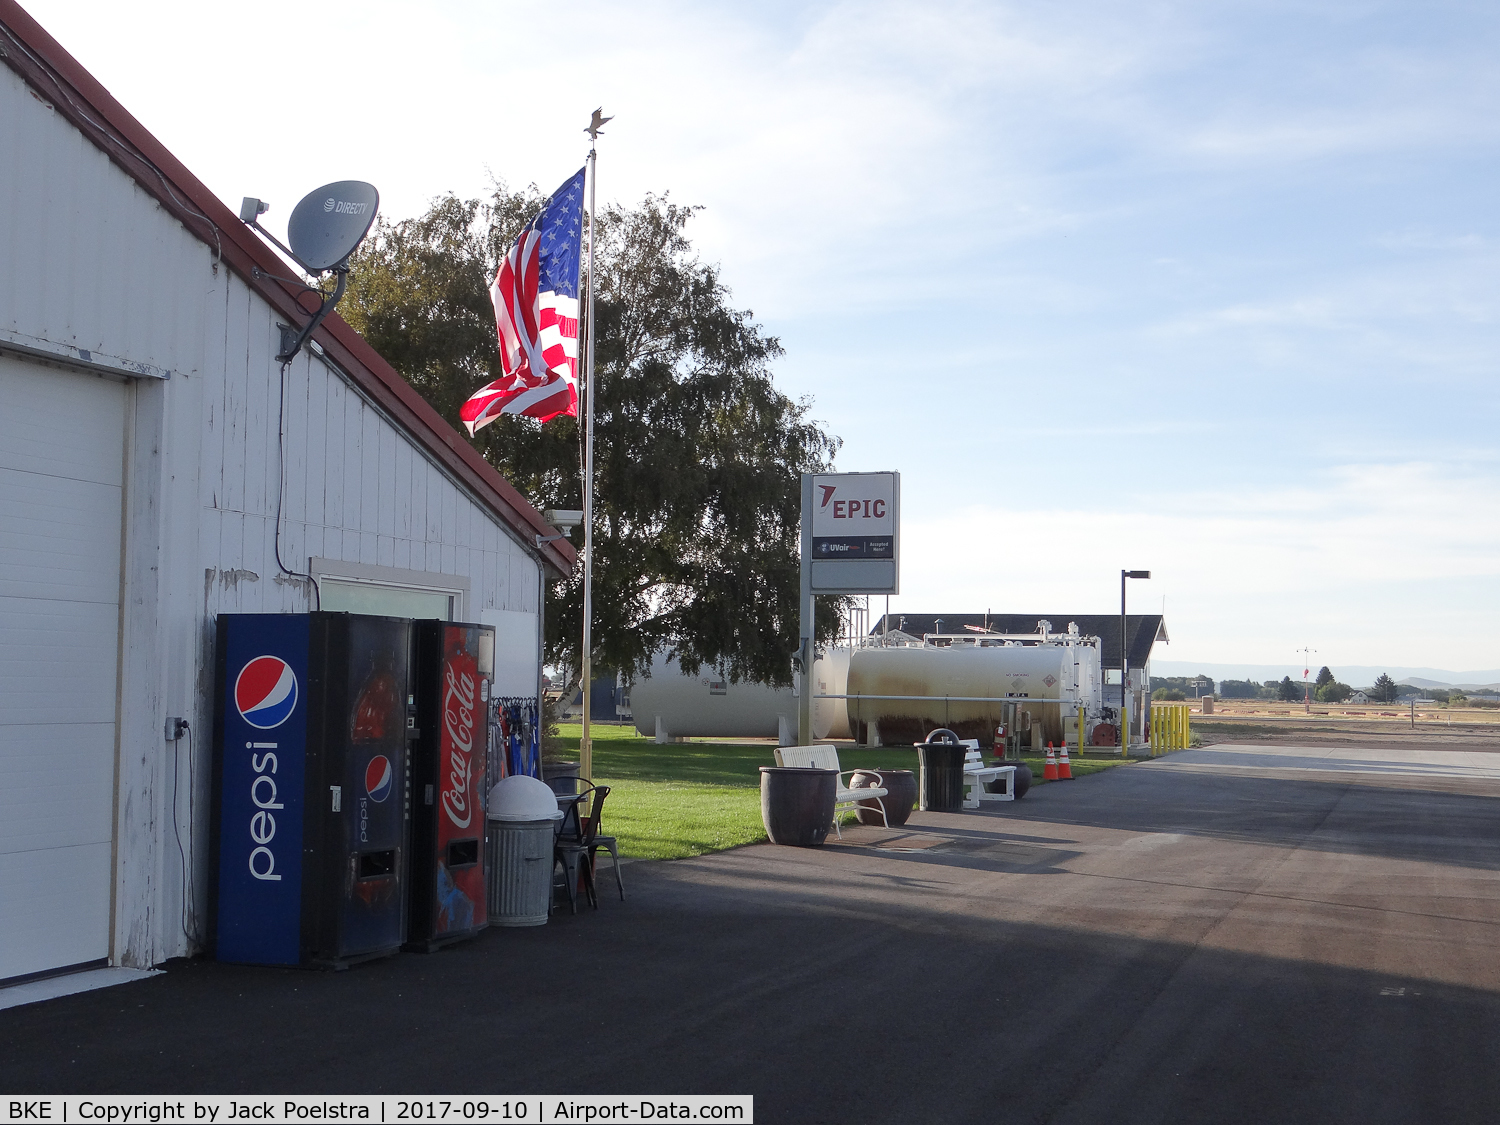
[[561, 777], [523, 820], [941, 788]]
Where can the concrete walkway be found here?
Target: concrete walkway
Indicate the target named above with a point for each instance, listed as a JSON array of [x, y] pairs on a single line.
[[1242, 933]]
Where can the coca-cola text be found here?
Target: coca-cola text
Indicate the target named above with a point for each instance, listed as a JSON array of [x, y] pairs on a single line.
[[458, 725]]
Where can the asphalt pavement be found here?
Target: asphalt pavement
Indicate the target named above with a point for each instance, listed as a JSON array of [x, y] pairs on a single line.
[[1241, 933]]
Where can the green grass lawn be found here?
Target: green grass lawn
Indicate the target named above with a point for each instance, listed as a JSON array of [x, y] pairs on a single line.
[[688, 798]]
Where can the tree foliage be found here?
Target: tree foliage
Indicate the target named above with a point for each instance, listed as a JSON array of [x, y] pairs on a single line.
[[698, 456], [1324, 676], [1190, 686], [1289, 690], [1239, 689], [1333, 692], [1385, 689]]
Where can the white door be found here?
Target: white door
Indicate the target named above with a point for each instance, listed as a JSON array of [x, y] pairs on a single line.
[[62, 437]]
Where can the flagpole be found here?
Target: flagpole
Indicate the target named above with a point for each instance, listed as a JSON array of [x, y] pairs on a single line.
[[585, 744]]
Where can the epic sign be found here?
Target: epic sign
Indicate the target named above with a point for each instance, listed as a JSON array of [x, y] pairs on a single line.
[[852, 532]]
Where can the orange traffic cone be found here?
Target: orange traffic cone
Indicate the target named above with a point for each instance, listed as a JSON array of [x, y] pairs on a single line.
[[1064, 771], [1049, 771]]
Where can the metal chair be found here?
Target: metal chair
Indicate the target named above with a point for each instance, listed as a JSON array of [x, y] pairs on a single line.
[[572, 841], [605, 842]]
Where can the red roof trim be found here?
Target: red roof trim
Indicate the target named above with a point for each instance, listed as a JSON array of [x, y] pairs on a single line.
[[79, 97]]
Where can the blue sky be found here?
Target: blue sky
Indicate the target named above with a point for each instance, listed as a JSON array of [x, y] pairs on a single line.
[[1204, 288]]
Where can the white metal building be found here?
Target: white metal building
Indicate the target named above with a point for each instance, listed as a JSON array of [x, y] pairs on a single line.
[[141, 473]]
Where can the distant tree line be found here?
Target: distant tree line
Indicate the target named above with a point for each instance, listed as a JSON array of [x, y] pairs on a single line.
[[1326, 688], [1175, 688]]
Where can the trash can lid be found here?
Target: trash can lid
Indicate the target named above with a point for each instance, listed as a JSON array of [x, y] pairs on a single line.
[[523, 798], [942, 736]]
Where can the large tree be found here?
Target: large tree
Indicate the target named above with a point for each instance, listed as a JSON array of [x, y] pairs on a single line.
[[697, 454]]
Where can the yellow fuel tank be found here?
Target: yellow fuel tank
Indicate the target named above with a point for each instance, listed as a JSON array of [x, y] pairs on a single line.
[[898, 695]]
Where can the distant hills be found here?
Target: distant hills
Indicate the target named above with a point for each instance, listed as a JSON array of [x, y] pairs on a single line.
[[1355, 675]]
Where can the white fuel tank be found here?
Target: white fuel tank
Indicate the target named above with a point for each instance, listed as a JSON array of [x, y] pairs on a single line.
[[669, 704], [926, 687], [831, 677]]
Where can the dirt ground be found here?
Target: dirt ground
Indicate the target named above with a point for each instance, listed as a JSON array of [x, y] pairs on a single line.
[[1261, 720]]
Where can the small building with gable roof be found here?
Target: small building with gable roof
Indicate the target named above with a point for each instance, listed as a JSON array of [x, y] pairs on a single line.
[[159, 467]]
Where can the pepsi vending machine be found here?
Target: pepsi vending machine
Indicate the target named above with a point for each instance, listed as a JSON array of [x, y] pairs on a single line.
[[452, 667], [311, 803]]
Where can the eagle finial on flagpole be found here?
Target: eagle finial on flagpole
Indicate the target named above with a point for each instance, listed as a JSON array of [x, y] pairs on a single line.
[[597, 123]]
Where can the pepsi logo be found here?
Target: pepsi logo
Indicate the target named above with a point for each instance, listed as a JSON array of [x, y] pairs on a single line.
[[266, 692], [378, 777]]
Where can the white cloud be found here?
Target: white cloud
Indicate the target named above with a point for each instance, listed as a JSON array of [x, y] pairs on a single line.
[[1266, 569]]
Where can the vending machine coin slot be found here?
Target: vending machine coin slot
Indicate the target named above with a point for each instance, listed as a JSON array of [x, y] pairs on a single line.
[[461, 853], [373, 865]]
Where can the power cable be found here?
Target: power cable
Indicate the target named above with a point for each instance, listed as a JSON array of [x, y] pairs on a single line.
[[189, 892], [317, 596]]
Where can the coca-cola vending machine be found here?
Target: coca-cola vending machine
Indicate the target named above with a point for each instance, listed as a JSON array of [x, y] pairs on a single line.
[[311, 810], [452, 667]]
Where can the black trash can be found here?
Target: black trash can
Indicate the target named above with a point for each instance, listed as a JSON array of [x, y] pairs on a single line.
[[941, 788], [796, 804]]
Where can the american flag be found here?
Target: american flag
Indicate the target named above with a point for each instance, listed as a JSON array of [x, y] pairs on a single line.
[[535, 293]]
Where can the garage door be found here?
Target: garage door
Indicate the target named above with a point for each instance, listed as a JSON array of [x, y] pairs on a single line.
[[61, 472]]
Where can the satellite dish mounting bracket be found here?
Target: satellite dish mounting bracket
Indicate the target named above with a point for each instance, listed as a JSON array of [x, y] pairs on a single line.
[[292, 344], [324, 229]]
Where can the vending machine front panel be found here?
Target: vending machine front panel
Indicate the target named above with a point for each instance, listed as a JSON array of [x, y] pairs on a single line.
[[261, 716], [451, 680]]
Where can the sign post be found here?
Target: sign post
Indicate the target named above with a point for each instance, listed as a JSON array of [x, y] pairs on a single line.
[[851, 544]]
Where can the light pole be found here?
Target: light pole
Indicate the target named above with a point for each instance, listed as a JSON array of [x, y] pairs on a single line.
[[1125, 662]]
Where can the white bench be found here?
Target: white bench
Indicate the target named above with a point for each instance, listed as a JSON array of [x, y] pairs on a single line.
[[827, 758], [977, 775]]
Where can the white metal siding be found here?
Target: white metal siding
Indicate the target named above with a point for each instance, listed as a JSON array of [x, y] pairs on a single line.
[[92, 267], [61, 466], [355, 488]]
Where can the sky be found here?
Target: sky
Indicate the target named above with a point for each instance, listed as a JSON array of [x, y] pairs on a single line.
[[1203, 288]]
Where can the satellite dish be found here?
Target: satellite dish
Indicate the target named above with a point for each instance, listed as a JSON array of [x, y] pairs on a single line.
[[329, 223]]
